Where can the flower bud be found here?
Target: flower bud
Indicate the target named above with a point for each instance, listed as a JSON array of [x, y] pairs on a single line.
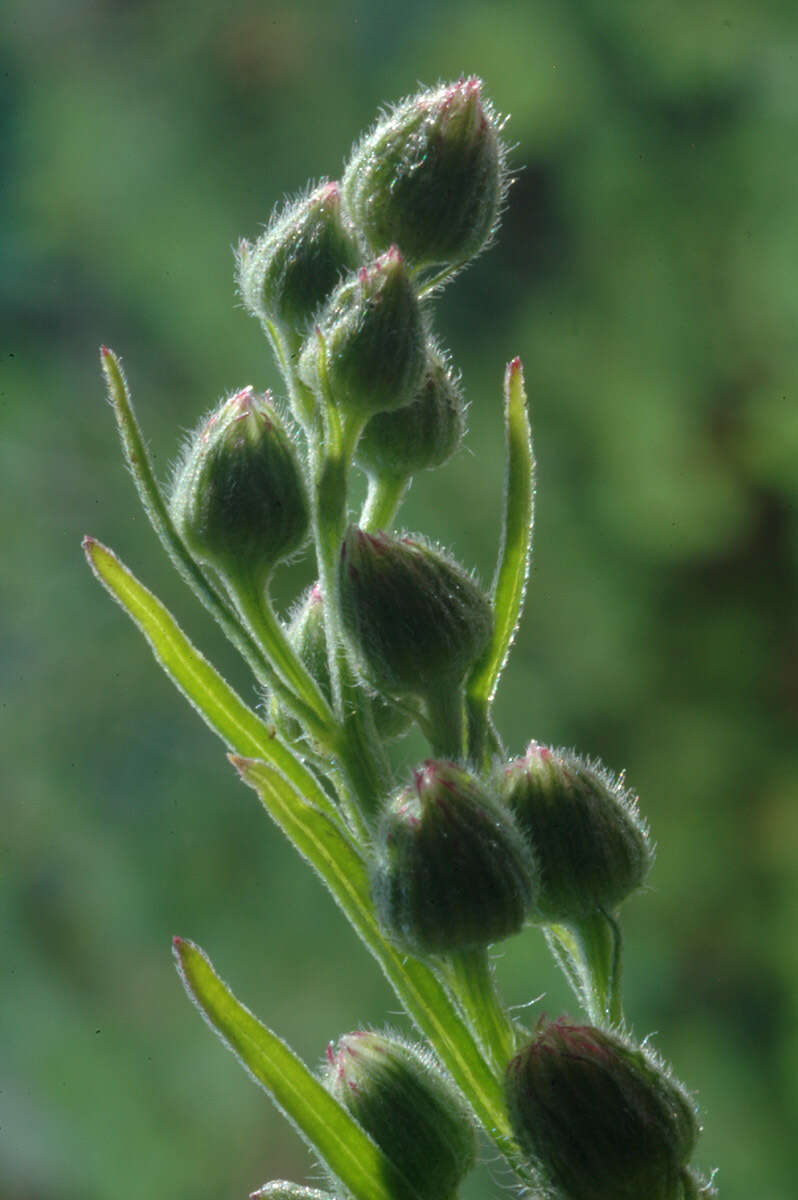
[[416, 618], [308, 637], [423, 434], [292, 269], [599, 1115], [238, 497], [588, 840], [282, 1189], [452, 871], [430, 176], [397, 1092], [370, 341]]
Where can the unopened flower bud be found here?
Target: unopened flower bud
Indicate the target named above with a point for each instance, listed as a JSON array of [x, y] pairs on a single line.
[[238, 498], [397, 1092], [292, 269], [452, 870], [601, 1117], [429, 177], [370, 340], [283, 1189], [308, 637], [416, 618], [423, 434], [589, 843]]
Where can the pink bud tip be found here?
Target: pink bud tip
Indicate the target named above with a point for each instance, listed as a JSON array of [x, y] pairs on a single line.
[[177, 942], [88, 541], [104, 351]]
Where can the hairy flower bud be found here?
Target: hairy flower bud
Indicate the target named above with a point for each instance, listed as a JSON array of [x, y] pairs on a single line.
[[602, 1118], [423, 434], [429, 177], [584, 829], [452, 870], [238, 498], [397, 1092], [369, 348], [291, 270], [417, 619], [308, 637]]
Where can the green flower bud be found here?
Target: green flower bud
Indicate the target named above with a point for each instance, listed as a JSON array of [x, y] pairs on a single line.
[[369, 347], [423, 434], [601, 1117], [416, 618], [397, 1092], [291, 270], [307, 635], [282, 1189], [452, 870], [238, 498], [590, 845], [430, 176]]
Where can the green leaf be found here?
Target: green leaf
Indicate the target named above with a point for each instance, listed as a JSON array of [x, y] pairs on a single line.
[[512, 568], [346, 1149], [343, 870], [193, 675]]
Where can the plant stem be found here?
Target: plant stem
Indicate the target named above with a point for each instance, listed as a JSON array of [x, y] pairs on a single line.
[[310, 705], [385, 494], [446, 711], [474, 988], [590, 955]]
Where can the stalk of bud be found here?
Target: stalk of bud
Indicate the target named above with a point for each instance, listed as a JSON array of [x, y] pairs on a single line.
[[430, 176], [238, 498], [369, 348], [397, 1092], [589, 843], [600, 1116], [291, 270], [452, 870]]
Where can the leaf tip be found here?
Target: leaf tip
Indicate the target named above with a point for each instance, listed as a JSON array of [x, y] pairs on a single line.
[[88, 543], [514, 373], [242, 765]]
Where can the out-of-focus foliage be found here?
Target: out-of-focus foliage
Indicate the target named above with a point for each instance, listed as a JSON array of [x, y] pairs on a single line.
[[646, 272]]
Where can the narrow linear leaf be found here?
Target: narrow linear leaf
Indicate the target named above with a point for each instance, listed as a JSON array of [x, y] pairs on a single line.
[[346, 1149], [201, 684], [512, 568], [343, 870]]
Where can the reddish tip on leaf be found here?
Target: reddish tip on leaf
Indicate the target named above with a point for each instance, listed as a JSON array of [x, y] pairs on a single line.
[[177, 942], [104, 351], [88, 541], [514, 366]]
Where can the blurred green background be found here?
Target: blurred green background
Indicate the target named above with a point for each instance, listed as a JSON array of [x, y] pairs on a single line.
[[646, 272]]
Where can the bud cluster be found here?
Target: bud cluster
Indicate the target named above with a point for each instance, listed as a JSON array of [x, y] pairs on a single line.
[[473, 845]]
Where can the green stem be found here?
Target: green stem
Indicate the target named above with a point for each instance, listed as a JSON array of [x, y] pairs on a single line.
[[385, 494], [361, 752], [356, 747], [474, 988], [589, 952], [446, 711], [310, 705]]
